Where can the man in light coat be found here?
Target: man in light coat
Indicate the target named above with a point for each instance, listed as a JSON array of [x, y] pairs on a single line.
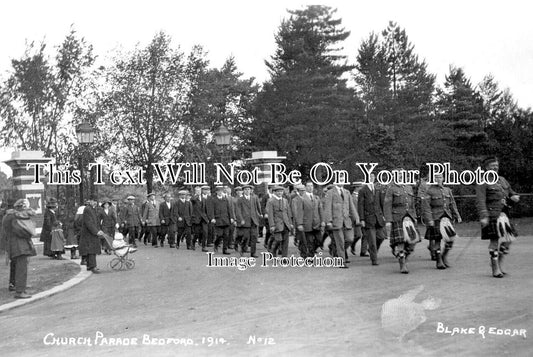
[[339, 212]]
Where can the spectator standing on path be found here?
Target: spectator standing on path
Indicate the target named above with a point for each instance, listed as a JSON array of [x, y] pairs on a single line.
[[89, 236], [19, 245], [107, 218], [50, 222]]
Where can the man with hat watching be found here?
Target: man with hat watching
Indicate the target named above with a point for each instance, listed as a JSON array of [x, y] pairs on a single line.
[[168, 226], [280, 221], [107, 218], [181, 214], [222, 216], [89, 245], [131, 221], [248, 214], [19, 245], [493, 202], [150, 218]]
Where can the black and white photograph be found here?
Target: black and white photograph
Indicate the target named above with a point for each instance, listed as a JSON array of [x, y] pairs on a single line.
[[266, 178]]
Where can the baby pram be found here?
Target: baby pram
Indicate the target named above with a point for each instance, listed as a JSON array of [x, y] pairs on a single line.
[[122, 251]]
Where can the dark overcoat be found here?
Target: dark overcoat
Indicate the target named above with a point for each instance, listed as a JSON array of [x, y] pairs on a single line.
[[16, 245], [89, 240]]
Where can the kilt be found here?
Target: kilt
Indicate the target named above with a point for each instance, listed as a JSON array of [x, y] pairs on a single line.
[[433, 233], [396, 234], [490, 231]]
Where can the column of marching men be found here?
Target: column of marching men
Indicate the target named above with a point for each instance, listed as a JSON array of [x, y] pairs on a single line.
[[226, 222], [334, 221]]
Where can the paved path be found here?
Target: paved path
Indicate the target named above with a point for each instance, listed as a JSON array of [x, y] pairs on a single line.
[[302, 311]]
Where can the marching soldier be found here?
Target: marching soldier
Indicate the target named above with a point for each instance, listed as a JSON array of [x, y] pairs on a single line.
[[421, 188], [493, 203], [438, 210], [399, 212]]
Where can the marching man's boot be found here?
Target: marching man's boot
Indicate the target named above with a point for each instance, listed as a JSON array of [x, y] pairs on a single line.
[[500, 261], [403, 264], [447, 247], [440, 264], [495, 264]]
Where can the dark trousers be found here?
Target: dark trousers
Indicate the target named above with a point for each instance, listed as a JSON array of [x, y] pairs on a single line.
[[247, 237], [152, 234], [184, 233], [143, 234], [232, 233], [222, 234], [201, 231], [280, 239], [91, 261], [374, 237], [170, 232], [308, 243], [18, 272], [133, 234], [211, 234]]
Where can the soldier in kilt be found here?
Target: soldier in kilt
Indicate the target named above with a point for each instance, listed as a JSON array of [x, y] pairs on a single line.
[[438, 202], [399, 204], [493, 202]]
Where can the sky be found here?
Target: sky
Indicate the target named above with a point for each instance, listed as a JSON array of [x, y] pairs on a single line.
[[482, 37]]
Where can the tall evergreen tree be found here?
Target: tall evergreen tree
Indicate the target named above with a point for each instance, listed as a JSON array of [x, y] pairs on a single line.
[[411, 84], [461, 108], [306, 110], [397, 90]]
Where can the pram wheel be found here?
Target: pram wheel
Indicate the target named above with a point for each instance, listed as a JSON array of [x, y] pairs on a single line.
[[130, 264], [116, 264]]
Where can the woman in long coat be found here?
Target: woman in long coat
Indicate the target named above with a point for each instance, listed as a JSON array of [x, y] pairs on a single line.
[[50, 222], [89, 245], [107, 219]]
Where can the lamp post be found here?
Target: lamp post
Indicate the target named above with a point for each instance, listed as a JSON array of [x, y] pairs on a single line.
[[222, 139], [85, 133]]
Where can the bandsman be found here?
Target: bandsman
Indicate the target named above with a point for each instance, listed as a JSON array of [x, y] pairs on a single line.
[[493, 204], [439, 210], [400, 218]]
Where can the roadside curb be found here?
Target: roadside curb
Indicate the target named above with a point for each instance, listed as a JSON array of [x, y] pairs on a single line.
[[81, 276]]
